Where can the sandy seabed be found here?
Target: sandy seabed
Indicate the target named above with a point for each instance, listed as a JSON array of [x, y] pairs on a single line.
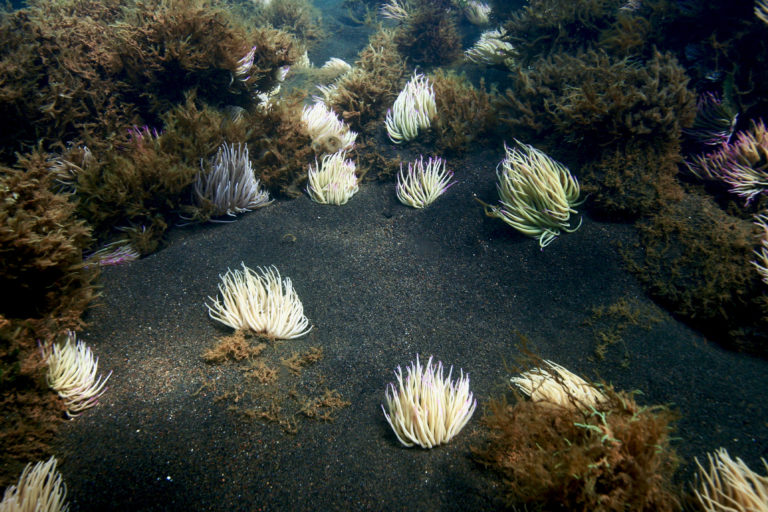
[[380, 283]]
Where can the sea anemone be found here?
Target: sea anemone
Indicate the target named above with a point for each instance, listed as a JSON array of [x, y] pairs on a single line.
[[714, 122], [395, 10], [558, 386], [260, 301], [329, 134], [72, 372], [478, 13], [333, 181], [537, 194], [761, 10], [741, 164], [423, 184], [428, 409], [244, 65], [730, 485], [412, 111], [490, 49], [40, 489], [761, 263], [335, 67], [230, 184]]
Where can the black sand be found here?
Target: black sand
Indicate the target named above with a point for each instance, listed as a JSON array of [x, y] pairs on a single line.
[[381, 283]]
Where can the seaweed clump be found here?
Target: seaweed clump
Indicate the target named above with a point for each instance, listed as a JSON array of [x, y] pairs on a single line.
[[632, 179], [45, 288], [172, 47], [547, 27], [614, 457], [429, 35], [30, 413], [135, 190], [278, 141], [464, 114], [137, 187], [275, 387], [82, 71], [297, 17], [697, 261], [41, 271], [58, 74], [592, 99], [612, 115], [363, 95]]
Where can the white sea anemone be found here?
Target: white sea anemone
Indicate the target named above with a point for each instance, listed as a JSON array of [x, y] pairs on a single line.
[[230, 184], [72, 370], [558, 386], [329, 134], [333, 181], [412, 111], [396, 10], [114, 253], [303, 62], [40, 489], [328, 94], [423, 184], [428, 409], [730, 485], [490, 49], [335, 67], [478, 13], [260, 301]]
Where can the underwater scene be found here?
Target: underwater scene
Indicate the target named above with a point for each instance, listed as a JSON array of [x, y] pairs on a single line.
[[427, 255]]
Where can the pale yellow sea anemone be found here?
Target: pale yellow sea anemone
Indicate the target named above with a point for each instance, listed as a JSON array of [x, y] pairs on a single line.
[[478, 13], [334, 67], [423, 184], [558, 386], [428, 409], [537, 194], [302, 63], [761, 10], [490, 49], [72, 370], [260, 301], [729, 485], [329, 134], [412, 111], [333, 181], [40, 489], [396, 10]]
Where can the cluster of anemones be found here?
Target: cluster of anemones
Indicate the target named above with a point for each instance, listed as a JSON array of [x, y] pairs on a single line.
[[740, 164]]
